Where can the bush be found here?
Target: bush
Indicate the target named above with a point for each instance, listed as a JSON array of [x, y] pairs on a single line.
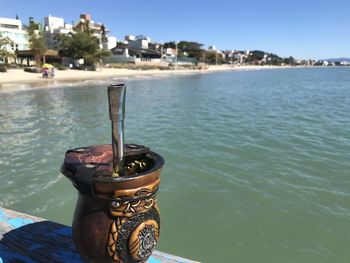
[[20, 66], [3, 68], [32, 70], [90, 68], [59, 66], [137, 66]]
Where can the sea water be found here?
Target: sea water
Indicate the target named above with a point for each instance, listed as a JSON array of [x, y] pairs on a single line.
[[257, 162]]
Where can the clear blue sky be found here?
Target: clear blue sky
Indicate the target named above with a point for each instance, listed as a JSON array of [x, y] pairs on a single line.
[[300, 28]]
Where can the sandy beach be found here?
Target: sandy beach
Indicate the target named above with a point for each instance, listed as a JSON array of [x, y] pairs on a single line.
[[16, 79]]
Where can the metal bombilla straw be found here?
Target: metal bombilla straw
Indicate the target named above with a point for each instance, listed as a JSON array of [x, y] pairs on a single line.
[[116, 99]]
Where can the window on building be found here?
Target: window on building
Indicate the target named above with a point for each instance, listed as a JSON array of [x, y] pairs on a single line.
[[9, 26]]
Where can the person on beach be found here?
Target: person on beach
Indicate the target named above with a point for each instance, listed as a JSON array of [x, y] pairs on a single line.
[[53, 72], [45, 73]]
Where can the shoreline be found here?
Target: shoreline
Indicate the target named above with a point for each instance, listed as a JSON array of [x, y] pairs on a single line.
[[17, 79]]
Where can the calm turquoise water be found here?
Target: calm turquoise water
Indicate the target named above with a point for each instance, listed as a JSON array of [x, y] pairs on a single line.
[[257, 162]]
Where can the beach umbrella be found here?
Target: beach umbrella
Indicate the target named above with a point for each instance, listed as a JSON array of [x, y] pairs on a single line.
[[46, 65]]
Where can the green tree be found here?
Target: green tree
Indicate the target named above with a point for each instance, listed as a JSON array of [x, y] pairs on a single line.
[[187, 49], [255, 56], [190, 49], [289, 61], [212, 57], [121, 44], [4, 42], [38, 48], [273, 59], [171, 44], [82, 45], [32, 27]]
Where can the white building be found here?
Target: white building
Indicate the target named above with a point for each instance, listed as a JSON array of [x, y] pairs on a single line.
[[238, 57], [12, 28], [212, 48], [140, 42], [130, 38], [53, 27], [171, 52], [53, 23], [110, 43]]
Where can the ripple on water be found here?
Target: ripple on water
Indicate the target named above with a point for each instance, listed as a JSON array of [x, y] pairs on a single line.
[[257, 162]]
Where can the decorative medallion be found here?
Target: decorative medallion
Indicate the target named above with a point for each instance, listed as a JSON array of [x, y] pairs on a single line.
[[147, 240], [143, 239], [133, 239]]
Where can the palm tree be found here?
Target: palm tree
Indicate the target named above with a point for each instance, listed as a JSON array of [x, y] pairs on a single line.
[[38, 48], [4, 52], [36, 42]]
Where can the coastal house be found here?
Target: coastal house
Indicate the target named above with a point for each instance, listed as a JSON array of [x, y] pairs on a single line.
[[138, 42], [228, 56], [344, 63], [213, 49], [240, 56], [126, 54], [12, 29], [214, 55], [172, 52], [98, 30], [171, 55], [135, 49], [120, 54]]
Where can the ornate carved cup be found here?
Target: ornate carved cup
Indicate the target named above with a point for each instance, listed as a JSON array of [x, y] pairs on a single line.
[[116, 218]]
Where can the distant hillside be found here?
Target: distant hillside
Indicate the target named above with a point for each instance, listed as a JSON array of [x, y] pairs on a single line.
[[337, 59]]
